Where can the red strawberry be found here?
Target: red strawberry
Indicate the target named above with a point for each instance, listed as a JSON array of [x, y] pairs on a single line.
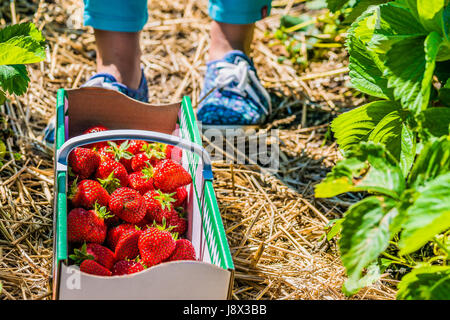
[[127, 246], [87, 226], [121, 153], [159, 205], [155, 245], [92, 267], [169, 175], [180, 196], [184, 250], [174, 153], [136, 146], [96, 252], [83, 162], [178, 222], [151, 155], [142, 181], [127, 267], [115, 233], [106, 151], [108, 171], [128, 205], [86, 193], [96, 145]]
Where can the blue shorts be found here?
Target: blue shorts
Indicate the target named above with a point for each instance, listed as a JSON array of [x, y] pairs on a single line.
[[131, 15]]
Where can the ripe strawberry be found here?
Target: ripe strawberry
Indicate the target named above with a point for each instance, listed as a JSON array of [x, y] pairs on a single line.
[[127, 246], [159, 205], [128, 205], [174, 153], [142, 181], [120, 153], [105, 151], [180, 196], [96, 252], [178, 222], [86, 193], [136, 146], [115, 233], [127, 267], [184, 250], [108, 171], [92, 267], [169, 175], [87, 226], [96, 145], [83, 162], [155, 245]]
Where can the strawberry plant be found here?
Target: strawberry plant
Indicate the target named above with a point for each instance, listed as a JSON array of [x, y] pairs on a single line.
[[20, 44], [397, 149]]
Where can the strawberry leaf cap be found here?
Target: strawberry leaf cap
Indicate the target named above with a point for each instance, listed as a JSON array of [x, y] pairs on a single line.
[[79, 255]]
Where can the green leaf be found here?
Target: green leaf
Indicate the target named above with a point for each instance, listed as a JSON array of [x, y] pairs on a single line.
[[367, 167], [425, 283], [354, 126], [394, 23], [359, 7], [22, 29], [366, 68], [335, 5], [365, 234], [335, 228], [430, 14], [14, 79], [428, 215], [407, 149], [352, 286], [436, 121], [21, 50], [433, 161], [410, 65], [2, 97]]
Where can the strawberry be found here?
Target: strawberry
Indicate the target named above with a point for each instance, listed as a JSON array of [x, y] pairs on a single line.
[[88, 225], [127, 246], [184, 250], [121, 153], [180, 196], [108, 171], [174, 153], [150, 154], [96, 252], [86, 193], [136, 146], [96, 145], [83, 162], [93, 267], [142, 181], [128, 205], [106, 151], [169, 175], [127, 267], [115, 233], [159, 205], [155, 245], [178, 222]]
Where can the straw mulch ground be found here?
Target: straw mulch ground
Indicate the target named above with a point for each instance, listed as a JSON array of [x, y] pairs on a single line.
[[274, 224]]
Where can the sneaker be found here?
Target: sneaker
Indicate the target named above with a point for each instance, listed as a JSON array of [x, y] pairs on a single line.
[[107, 81], [232, 93]]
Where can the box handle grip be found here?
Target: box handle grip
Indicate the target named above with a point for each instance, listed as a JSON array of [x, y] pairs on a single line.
[[69, 145]]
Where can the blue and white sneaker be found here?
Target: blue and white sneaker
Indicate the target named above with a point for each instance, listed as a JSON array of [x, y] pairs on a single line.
[[107, 81], [232, 94]]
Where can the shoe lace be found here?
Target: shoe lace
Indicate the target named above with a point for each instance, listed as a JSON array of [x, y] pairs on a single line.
[[246, 81]]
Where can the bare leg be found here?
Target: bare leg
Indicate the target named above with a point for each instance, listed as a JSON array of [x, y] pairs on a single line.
[[119, 54], [226, 37]]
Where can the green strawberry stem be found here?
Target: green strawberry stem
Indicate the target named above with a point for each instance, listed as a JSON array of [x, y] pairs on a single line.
[[111, 183], [80, 255]]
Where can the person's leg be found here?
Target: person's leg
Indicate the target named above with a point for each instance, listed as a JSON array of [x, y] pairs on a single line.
[[232, 93], [117, 25]]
